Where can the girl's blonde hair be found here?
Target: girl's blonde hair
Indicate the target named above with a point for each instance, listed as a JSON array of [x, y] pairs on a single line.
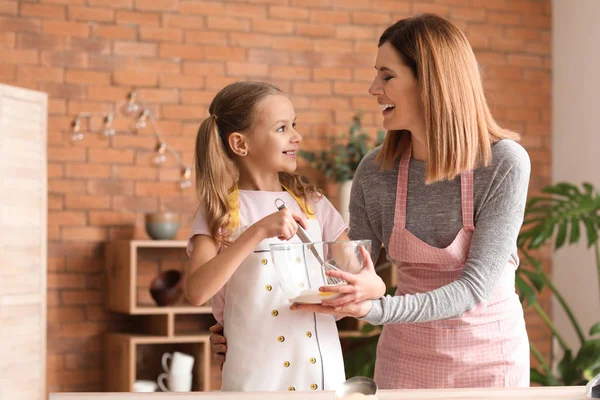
[[459, 127], [232, 110]]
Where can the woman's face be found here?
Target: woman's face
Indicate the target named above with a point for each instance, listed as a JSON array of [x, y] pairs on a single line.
[[397, 91]]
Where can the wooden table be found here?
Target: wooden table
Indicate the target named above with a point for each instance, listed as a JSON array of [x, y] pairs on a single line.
[[545, 393]]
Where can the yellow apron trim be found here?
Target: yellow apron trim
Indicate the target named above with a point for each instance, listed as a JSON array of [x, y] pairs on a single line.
[[234, 207]]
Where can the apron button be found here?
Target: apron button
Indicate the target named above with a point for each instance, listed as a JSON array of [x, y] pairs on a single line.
[[314, 386], [308, 334], [301, 284], [298, 260], [280, 339], [269, 288], [286, 364], [291, 389], [264, 261], [313, 360], [274, 313]]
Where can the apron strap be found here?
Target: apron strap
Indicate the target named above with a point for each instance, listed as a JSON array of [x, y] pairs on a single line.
[[466, 193], [234, 207]]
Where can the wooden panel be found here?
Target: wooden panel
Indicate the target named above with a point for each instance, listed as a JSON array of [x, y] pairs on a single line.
[[23, 226]]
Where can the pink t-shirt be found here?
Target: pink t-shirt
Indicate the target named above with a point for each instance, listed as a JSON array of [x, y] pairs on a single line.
[[255, 205]]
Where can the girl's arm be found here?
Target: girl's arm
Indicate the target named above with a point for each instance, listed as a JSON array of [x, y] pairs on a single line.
[[209, 270]]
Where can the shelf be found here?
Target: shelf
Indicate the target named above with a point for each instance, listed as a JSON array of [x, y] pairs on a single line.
[[131, 357], [182, 309]]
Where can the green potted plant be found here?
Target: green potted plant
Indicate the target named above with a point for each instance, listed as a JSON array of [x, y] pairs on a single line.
[[560, 214], [340, 160]]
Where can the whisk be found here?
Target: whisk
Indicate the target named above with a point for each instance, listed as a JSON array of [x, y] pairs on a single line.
[[325, 266]]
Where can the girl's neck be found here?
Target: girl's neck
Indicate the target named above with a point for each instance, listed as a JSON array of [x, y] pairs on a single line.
[[268, 183]]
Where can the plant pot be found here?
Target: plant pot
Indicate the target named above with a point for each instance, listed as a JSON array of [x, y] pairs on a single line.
[[162, 225]]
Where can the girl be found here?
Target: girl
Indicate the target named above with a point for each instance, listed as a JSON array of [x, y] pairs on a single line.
[[245, 161]]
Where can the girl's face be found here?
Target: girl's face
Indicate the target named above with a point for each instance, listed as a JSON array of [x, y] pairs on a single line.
[[273, 140], [397, 91]]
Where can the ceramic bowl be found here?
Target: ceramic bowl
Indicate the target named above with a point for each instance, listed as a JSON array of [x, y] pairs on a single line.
[[166, 289], [162, 225]]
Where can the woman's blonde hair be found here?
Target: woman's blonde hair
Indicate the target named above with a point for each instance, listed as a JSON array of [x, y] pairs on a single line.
[[232, 110], [459, 127]]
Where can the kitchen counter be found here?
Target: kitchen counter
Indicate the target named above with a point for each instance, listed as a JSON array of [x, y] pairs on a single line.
[[545, 393]]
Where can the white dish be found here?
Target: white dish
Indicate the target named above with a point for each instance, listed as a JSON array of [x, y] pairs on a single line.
[[313, 297]]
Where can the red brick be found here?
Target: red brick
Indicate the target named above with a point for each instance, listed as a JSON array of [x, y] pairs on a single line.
[[370, 18], [137, 18], [183, 51], [330, 17], [82, 297], [114, 32], [224, 53], [504, 18], [85, 76], [352, 4], [161, 34], [155, 65], [55, 171], [137, 204], [182, 81], [182, 112], [9, 7], [8, 72], [196, 97], [291, 13], [157, 5], [40, 74], [149, 173], [246, 69], [316, 88], [12, 56], [127, 4], [439, 9], [204, 8], [205, 37], [245, 39], [85, 202], [274, 27], [158, 95], [79, 13], [203, 68], [66, 281], [110, 156], [135, 49], [524, 60], [315, 30], [333, 46], [273, 57], [42, 10], [8, 39], [292, 43], [87, 171], [468, 13], [65, 28], [158, 189], [183, 21], [64, 59], [290, 72], [227, 24], [332, 73], [350, 88], [66, 218], [357, 32], [246, 10], [137, 78], [105, 218], [8, 24]]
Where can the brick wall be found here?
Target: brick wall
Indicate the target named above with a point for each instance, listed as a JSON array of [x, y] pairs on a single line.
[[87, 54]]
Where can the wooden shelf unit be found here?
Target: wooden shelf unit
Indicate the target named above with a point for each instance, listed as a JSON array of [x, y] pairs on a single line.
[[125, 352]]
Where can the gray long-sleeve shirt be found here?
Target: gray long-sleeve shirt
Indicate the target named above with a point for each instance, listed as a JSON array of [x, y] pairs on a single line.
[[434, 215]]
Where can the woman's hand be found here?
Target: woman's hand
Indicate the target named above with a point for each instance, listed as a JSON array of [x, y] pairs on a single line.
[[364, 285], [355, 310], [282, 224], [218, 343]]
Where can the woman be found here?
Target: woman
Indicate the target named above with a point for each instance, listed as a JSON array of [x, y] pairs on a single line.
[[456, 186]]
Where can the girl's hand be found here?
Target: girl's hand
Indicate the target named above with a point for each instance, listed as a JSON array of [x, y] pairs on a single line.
[[364, 285], [355, 310], [282, 224]]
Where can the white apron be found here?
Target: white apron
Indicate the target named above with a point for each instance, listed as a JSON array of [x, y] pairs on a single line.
[[270, 347]]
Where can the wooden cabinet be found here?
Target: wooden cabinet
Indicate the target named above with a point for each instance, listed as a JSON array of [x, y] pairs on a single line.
[[23, 241], [136, 355]]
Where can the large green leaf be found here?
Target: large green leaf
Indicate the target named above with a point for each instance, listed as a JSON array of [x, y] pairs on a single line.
[[588, 357], [595, 329], [536, 376]]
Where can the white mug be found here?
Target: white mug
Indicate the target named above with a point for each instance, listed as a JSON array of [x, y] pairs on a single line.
[[175, 382], [145, 386], [181, 363]]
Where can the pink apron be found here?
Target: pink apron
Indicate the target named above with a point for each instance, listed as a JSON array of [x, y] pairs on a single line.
[[485, 347]]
